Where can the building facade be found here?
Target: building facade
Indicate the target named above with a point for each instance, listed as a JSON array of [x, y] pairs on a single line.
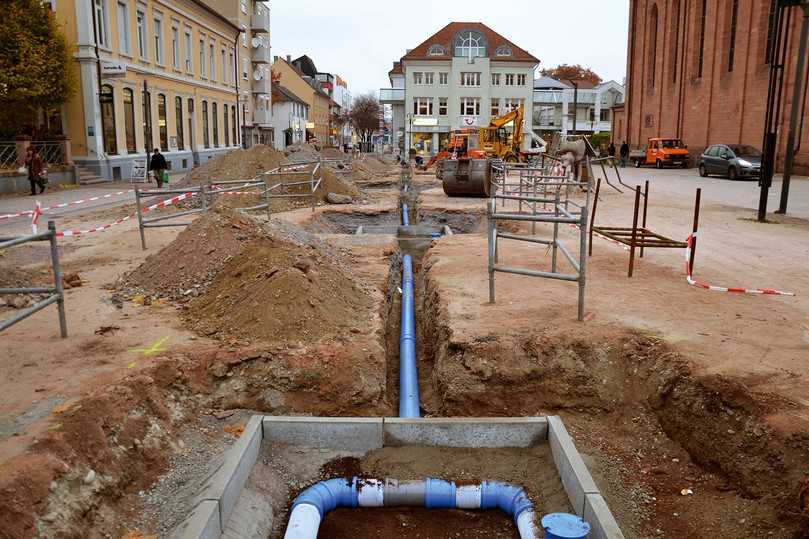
[[290, 114], [342, 96], [252, 17], [151, 75], [307, 88], [553, 107], [699, 70], [460, 77]]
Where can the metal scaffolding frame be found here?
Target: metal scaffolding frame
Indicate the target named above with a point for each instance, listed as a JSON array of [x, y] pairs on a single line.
[[55, 294], [535, 187], [282, 187]]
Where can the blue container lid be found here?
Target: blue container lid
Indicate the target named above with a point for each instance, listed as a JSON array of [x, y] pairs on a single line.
[[564, 526]]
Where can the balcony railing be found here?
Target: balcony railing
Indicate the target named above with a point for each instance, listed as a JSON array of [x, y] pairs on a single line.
[[261, 53], [260, 21], [389, 96], [262, 86]]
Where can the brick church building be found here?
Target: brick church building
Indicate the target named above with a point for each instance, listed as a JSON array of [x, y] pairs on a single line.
[[699, 70]]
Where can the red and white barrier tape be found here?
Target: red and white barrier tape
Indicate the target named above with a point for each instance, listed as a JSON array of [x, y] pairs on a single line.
[[66, 204], [162, 204], [705, 286]]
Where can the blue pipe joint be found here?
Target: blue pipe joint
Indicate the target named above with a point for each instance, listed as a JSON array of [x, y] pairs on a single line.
[[329, 495], [439, 494], [409, 405], [405, 216], [509, 498]]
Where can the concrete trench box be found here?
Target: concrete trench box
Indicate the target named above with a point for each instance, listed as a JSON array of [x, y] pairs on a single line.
[[249, 494]]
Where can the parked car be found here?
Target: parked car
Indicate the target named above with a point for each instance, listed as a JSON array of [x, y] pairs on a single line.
[[731, 160], [661, 152]]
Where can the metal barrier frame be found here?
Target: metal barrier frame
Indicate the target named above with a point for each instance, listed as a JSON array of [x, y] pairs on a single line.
[[315, 180], [527, 194], [57, 294], [160, 222]]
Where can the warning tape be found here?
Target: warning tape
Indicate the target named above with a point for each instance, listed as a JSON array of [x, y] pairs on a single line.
[[66, 204], [734, 290], [162, 204]]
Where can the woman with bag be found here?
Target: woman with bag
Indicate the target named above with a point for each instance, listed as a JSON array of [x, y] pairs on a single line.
[[158, 165], [36, 170]]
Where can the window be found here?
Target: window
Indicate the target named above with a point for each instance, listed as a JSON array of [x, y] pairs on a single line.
[[162, 124], [189, 65], [212, 58], [592, 113], [503, 51], [206, 141], [129, 120], [495, 111], [418, 77], [675, 39], [146, 122], [178, 119], [202, 57], [652, 47], [470, 44], [158, 41], [102, 24], [442, 106], [513, 104], [124, 38], [108, 120], [191, 126], [428, 78], [222, 66], [245, 68], [175, 47], [470, 79], [233, 124], [605, 115], [215, 126], [495, 79], [443, 78], [436, 50], [141, 23], [422, 106], [521, 80], [734, 19], [509, 79], [701, 49], [244, 37], [225, 126], [470, 106], [231, 65]]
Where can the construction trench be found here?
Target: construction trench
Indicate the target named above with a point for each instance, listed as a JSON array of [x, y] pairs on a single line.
[[647, 427]]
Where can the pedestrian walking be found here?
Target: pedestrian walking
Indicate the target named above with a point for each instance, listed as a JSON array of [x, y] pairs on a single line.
[[624, 153], [158, 166], [611, 153], [36, 170]]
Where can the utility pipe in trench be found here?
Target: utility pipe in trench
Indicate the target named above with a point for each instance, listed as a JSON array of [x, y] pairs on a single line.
[[311, 506], [408, 374]]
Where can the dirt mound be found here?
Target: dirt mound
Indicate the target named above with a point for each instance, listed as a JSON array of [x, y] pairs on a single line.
[[278, 290], [236, 165], [187, 265], [302, 151]]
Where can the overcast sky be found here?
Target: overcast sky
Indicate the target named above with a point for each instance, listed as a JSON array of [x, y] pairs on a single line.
[[360, 39]]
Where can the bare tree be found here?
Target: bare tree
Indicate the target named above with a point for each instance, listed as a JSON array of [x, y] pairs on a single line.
[[364, 116]]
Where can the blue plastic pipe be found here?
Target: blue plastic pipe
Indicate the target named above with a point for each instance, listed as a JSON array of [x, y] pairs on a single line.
[[405, 216], [408, 375]]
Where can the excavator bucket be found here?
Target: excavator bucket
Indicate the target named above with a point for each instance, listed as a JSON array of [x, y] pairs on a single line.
[[467, 177]]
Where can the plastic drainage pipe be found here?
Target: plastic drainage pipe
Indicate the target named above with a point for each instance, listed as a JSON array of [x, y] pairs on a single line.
[[311, 506], [405, 215], [408, 375]]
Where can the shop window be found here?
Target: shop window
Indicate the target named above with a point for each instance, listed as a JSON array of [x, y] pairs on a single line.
[[178, 112], [162, 124], [129, 120], [215, 125], [108, 120]]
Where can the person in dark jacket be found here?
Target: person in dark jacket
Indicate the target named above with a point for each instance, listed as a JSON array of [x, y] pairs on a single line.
[[158, 166], [624, 152], [36, 170]]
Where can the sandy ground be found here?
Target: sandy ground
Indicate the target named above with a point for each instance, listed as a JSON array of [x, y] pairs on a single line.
[[749, 350]]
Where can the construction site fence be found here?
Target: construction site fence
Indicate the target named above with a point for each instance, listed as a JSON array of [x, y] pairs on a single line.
[[284, 179], [55, 294], [538, 197]]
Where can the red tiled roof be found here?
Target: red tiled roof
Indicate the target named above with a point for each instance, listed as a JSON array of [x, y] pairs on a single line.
[[446, 35], [397, 69]]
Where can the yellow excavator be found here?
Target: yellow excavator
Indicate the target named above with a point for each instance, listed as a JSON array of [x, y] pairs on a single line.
[[502, 139]]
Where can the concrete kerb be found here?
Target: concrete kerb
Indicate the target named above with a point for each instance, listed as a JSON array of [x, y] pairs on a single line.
[[219, 496]]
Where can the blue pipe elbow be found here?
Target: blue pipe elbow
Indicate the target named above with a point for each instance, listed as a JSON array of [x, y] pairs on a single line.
[[509, 498], [329, 495], [439, 494]]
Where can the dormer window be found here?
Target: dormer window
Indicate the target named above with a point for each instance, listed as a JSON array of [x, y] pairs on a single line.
[[470, 44], [503, 51], [436, 50]]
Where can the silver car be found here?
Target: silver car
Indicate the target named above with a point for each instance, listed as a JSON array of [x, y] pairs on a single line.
[[735, 161]]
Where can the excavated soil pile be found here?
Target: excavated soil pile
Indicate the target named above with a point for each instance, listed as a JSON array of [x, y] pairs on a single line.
[[187, 265], [236, 165], [280, 290]]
